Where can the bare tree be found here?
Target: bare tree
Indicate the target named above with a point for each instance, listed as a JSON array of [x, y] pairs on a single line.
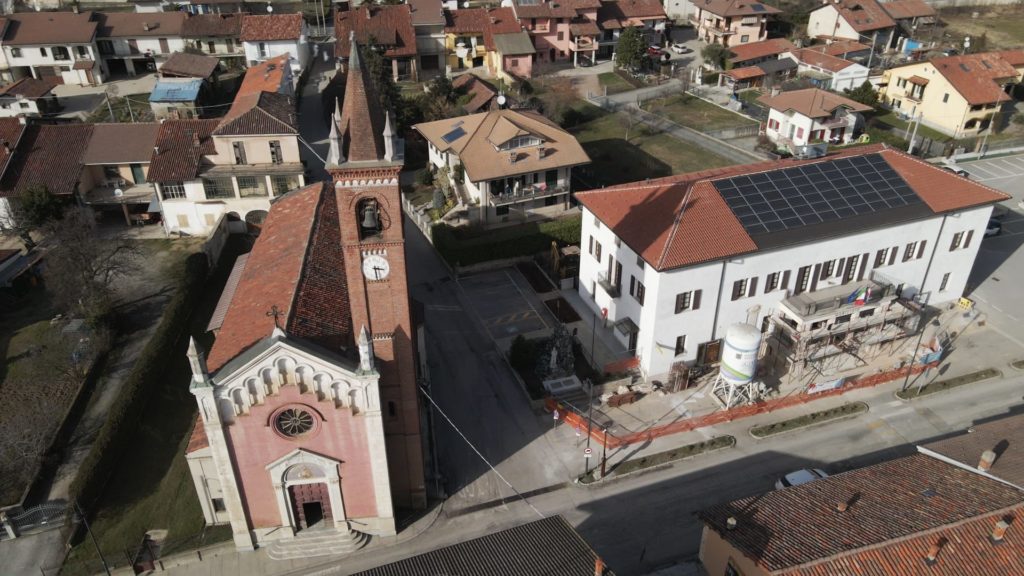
[[82, 267]]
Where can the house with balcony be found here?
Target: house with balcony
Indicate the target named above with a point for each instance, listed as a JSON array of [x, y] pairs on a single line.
[[115, 170], [732, 22], [615, 16], [560, 31], [235, 165], [517, 164], [857, 20], [828, 72], [469, 35], [5, 68], [28, 97], [133, 43], [753, 53], [676, 261], [811, 116], [388, 28], [217, 36], [53, 44], [428, 22], [957, 95], [265, 37]]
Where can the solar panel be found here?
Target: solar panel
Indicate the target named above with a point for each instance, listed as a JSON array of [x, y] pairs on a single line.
[[453, 135], [815, 193], [757, 7]]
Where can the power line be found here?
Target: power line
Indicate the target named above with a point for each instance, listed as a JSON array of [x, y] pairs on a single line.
[[463, 436]]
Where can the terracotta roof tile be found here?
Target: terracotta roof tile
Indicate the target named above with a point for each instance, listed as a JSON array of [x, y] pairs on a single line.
[[271, 27], [821, 60], [265, 113], [34, 28], [362, 121], [189, 65], [754, 50], [482, 92], [427, 12], [555, 8], [297, 265], [681, 220], [905, 9], [620, 13], [888, 501], [977, 77], [389, 25], [811, 102], [177, 156], [1004, 436], [738, 8], [482, 21], [863, 15], [29, 87], [121, 143], [48, 155], [840, 48], [1014, 57], [197, 440], [212, 25], [11, 130], [745, 73], [139, 24]]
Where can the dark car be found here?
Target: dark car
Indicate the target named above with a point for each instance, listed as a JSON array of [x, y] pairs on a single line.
[[994, 228], [958, 171]]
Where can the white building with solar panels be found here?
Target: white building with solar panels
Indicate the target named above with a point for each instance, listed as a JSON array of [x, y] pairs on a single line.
[[816, 246]]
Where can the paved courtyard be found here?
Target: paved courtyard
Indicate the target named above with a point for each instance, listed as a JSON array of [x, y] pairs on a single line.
[[506, 305]]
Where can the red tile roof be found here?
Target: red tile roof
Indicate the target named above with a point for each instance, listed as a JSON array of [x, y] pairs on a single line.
[[619, 13], [863, 15], [34, 28], [263, 113], [212, 25], [197, 440], [840, 48], [389, 26], [30, 87], [681, 220], [887, 503], [11, 130], [977, 77], [271, 75], [189, 65], [745, 73], [555, 8], [180, 147], [737, 8], [965, 551], [121, 143], [297, 265], [905, 9], [811, 102], [362, 121], [48, 155], [482, 92], [821, 60], [1004, 437], [271, 27], [482, 21], [139, 24], [1013, 57], [754, 50]]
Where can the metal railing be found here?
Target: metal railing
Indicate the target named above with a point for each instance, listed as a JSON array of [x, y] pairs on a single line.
[[613, 289], [526, 193]]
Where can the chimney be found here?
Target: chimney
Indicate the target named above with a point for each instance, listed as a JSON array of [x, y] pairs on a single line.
[[156, 150], [74, 8], [598, 567], [842, 507], [988, 458], [933, 552], [145, 26], [730, 523], [999, 532], [22, 120]]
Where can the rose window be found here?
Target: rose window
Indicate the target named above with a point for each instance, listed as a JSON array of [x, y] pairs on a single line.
[[294, 422]]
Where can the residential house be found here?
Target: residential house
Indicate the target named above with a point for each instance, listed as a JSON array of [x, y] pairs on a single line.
[[28, 97], [513, 55], [135, 43], [53, 44], [829, 72], [846, 49], [753, 53], [615, 16], [676, 261], [854, 20], [144, 6], [175, 98], [5, 68], [536, 546], [188, 65], [41, 155], [912, 515], [989, 449], [957, 95], [732, 22], [801, 117], [215, 6], [517, 164], [234, 165], [388, 27], [428, 22], [767, 74], [469, 35], [911, 16], [217, 35], [479, 95], [265, 37], [116, 165], [559, 30], [20, 273]]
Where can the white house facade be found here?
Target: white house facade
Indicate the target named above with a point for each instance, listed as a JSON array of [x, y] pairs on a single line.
[[266, 37], [674, 264], [810, 116]]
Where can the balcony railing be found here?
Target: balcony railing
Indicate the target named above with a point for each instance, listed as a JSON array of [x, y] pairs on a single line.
[[834, 122], [613, 289], [526, 193]]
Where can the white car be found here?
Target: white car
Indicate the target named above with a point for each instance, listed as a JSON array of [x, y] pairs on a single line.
[[800, 477], [680, 48]]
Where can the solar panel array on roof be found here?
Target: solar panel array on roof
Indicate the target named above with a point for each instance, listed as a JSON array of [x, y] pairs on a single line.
[[815, 193], [453, 135], [757, 7]]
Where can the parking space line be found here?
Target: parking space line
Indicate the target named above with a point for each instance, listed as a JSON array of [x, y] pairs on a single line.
[[525, 299], [998, 169], [1010, 165]]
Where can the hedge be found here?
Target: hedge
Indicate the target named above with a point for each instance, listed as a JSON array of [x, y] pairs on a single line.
[[851, 409], [941, 385], [465, 247], [125, 412]]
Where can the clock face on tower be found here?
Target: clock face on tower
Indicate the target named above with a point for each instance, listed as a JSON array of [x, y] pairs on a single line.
[[376, 267]]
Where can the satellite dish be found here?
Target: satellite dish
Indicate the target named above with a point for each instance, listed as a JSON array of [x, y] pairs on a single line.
[[269, 8], [465, 4], [502, 99], [118, 192]]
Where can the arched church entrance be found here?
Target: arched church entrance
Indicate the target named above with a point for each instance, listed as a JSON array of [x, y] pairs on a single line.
[[311, 505]]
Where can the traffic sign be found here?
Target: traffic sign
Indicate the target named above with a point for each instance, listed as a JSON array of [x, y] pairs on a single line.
[[555, 414], [587, 452], [578, 431]]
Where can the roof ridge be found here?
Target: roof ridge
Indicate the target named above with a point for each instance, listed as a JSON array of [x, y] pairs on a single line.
[[675, 223], [922, 162], [317, 222]]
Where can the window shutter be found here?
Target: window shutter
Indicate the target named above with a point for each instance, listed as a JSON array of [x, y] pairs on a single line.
[[752, 289], [920, 248], [785, 280], [892, 255], [863, 267], [591, 249], [737, 286], [679, 302], [967, 240], [814, 277], [880, 258], [695, 304]]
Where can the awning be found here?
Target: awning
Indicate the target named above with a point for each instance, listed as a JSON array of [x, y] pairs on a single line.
[[627, 326], [918, 80], [154, 206]]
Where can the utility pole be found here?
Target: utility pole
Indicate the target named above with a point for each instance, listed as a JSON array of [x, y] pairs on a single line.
[[871, 55], [590, 421], [128, 103], [913, 135], [109, 107], [604, 451], [99, 552]]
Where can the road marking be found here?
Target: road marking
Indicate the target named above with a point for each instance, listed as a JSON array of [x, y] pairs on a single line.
[[444, 308]]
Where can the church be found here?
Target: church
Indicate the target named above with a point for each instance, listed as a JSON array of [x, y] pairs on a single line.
[[309, 415]]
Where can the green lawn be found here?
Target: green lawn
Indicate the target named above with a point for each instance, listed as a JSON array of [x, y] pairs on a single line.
[[614, 83], [889, 118], [749, 95], [646, 154], [695, 113], [1003, 26]]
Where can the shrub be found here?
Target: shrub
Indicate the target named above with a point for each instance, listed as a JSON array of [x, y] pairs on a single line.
[[458, 247], [427, 177], [123, 419], [1018, 119]]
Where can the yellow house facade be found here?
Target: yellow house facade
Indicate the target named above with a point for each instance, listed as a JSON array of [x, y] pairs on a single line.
[[961, 96]]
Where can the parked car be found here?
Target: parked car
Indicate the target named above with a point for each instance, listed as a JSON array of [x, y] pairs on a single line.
[[800, 477], [654, 51], [958, 171], [994, 228], [680, 48]]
